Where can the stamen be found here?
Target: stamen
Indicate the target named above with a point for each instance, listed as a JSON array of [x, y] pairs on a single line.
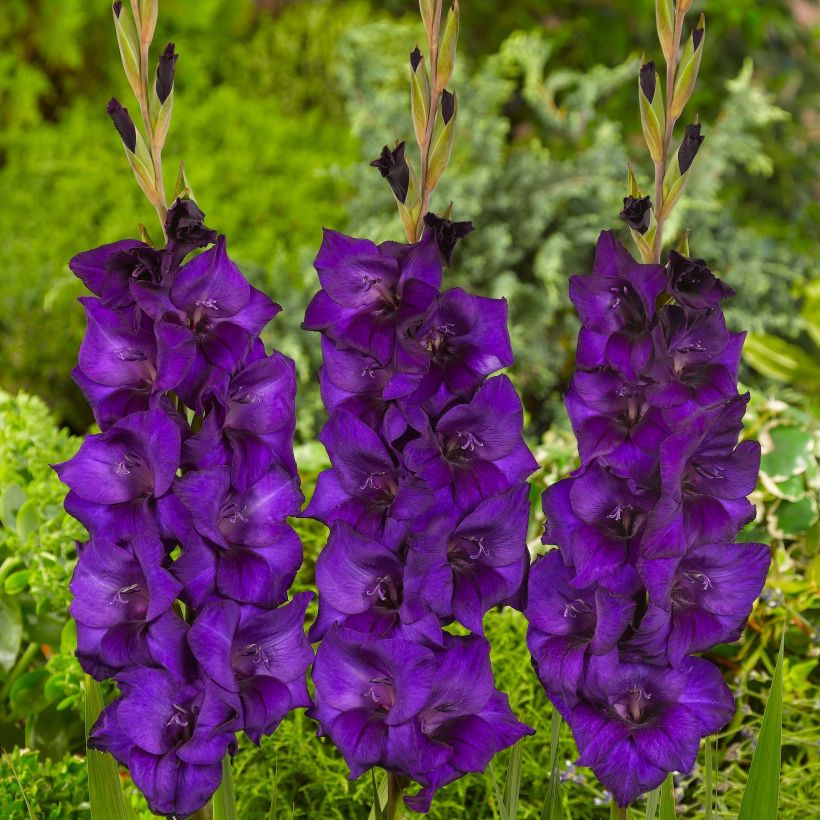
[[256, 651], [177, 718], [482, 550], [209, 304], [577, 607], [377, 590], [128, 463], [370, 482], [695, 577], [130, 354], [120, 597], [470, 441], [232, 512]]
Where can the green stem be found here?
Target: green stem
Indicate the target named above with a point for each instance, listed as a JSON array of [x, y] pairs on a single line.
[[20, 667], [619, 812], [435, 96], [205, 813], [394, 792], [660, 167]]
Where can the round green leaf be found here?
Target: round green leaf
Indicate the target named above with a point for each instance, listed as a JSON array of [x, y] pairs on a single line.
[[792, 518], [11, 632], [791, 455]]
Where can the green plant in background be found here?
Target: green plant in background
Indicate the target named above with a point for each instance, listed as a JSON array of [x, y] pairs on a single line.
[[39, 677]]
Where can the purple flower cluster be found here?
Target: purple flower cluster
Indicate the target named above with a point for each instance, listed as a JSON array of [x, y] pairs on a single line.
[[427, 505], [185, 495], [647, 572]]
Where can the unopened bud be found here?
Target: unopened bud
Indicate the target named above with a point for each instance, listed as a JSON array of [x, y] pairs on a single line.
[[393, 167], [637, 212], [447, 233], [647, 78], [689, 147], [124, 124], [448, 106], [117, 8], [415, 58], [165, 72]]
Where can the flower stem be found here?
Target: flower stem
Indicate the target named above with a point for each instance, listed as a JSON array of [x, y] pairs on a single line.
[[159, 202], [394, 792], [205, 813], [619, 812], [435, 96], [660, 167], [25, 659]]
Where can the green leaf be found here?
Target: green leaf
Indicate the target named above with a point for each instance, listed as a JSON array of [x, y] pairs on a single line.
[[11, 632], [512, 787], [11, 499], [791, 455], [16, 582], [793, 518], [760, 795], [781, 361], [224, 800], [652, 800], [26, 695], [664, 17], [667, 802], [709, 797], [28, 519], [553, 809], [104, 787], [379, 796]]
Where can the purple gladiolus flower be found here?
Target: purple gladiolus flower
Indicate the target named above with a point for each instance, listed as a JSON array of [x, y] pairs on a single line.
[[171, 734], [646, 572], [186, 494], [426, 501]]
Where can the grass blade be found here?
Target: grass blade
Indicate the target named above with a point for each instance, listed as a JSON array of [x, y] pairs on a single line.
[[32, 813], [104, 787], [553, 810], [708, 799], [513, 785], [652, 801], [762, 788], [272, 809], [224, 800], [499, 798], [667, 804], [379, 797]]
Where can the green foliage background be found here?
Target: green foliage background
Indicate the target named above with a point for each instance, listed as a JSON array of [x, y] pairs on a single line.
[[279, 105]]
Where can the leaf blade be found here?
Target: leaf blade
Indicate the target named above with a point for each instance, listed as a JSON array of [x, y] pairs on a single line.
[[760, 797]]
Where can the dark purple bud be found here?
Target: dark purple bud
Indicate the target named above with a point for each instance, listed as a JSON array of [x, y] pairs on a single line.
[[636, 213], [647, 80], [415, 58], [447, 233], [697, 36], [448, 106], [689, 147], [122, 122], [117, 8], [394, 168], [185, 229], [165, 72]]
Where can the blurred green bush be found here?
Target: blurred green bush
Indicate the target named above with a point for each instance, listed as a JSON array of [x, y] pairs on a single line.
[[279, 105]]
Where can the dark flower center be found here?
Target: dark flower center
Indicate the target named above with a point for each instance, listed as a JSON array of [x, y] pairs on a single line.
[[464, 551], [622, 520], [180, 724], [634, 706], [388, 299], [386, 593], [690, 584], [625, 301], [381, 693]]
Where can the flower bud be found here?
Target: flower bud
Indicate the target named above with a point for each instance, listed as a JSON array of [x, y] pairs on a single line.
[[653, 117], [647, 80], [415, 58], [664, 18], [124, 124], [128, 42], [447, 52], [448, 106], [165, 73], [117, 8], [447, 233], [393, 167], [689, 147], [688, 70], [637, 212]]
